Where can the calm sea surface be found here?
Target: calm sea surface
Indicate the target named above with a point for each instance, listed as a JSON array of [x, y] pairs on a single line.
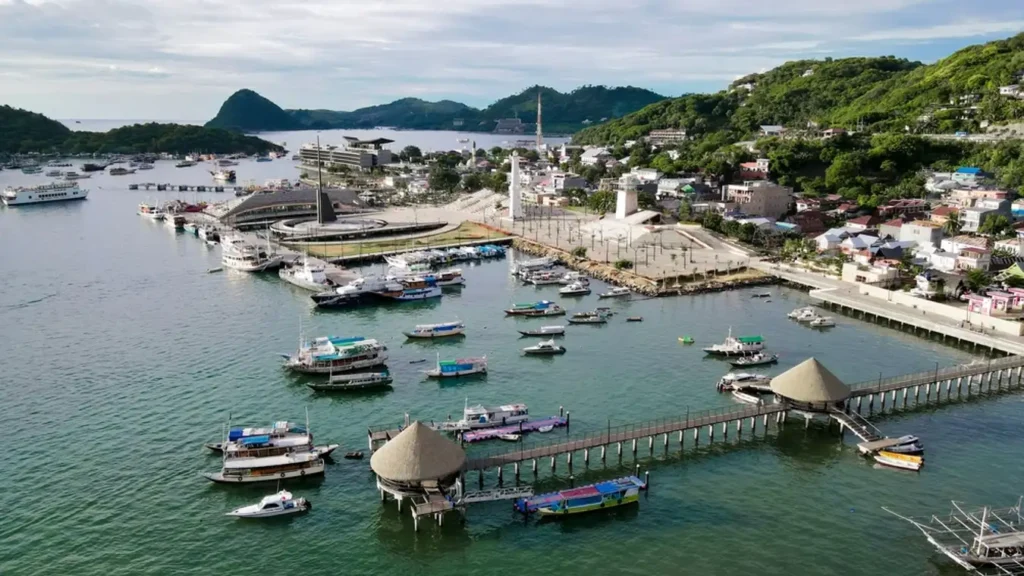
[[122, 355]]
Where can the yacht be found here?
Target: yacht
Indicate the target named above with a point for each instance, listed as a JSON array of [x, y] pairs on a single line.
[[238, 254], [269, 469], [410, 288], [617, 292], [151, 212], [799, 311], [527, 267], [741, 346], [310, 276], [355, 292], [575, 289], [807, 316], [56, 192], [224, 175], [277, 430], [546, 348], [823, 322], [442, 330], [328, 354], [573, 277], [280, 504]]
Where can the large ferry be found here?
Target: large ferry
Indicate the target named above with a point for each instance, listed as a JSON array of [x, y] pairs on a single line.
[[56, 192], [328, 354]]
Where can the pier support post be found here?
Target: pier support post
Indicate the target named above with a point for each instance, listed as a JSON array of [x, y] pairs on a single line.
[[680, 439], [383, 497], [905, 393], [949, 386], [534, 468], [696, 437], [415, 523], [989, 381], [807, 421], [516, 469], [917, 395], [881, 403], [860, 399], [725, 429], [1018, 376], [501, 474], [959, 385], [778, 419], [568, 460], [842, 431], [970, 380], [893, 399], [619, 447], [739, 428], [586, 457], [399, 501], [711, 433], [753, 425], [666, 441], [480, 479], [927, 392], [602, 454], [650, 444], [634, 447], [552, 464], [764, 422]]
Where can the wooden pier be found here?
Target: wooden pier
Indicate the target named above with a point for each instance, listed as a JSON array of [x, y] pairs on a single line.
[[954, 383], [187, 187]]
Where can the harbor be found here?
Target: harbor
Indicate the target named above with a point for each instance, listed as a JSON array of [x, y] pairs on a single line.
[[635, 380]]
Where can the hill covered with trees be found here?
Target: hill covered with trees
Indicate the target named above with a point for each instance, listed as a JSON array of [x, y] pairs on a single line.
[[959, 92], [562, 112], [22, 131]]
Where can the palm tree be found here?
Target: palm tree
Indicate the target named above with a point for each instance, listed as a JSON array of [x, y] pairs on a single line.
[[976, 279], [952, 225]]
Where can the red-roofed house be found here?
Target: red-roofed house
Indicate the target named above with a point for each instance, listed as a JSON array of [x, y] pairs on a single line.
[[971, 258], [811, 222], [755, 170], [862, 223], [906, 206], [941, 214]]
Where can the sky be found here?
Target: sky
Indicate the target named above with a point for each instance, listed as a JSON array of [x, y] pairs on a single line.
[[179, 59]]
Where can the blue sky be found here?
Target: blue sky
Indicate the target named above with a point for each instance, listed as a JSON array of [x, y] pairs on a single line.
[[179, 59]]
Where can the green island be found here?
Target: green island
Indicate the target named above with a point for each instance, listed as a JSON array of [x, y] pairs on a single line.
[[246, 110], [23, 132]]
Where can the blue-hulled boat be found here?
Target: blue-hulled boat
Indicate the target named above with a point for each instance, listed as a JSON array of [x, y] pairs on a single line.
[[607, 494]]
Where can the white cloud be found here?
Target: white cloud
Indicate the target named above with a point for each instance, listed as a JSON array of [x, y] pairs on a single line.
[[181, 58]]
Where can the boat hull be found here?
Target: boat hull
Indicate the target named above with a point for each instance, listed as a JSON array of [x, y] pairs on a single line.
[[541, 334], [267, 264], [555, 352], [431, 335], [456, 373], [302, 283], [552, 512], [221, 478], [351, 387], [331, 300]]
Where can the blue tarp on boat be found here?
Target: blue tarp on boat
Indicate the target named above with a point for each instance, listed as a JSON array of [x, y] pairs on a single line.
[[255, 440]]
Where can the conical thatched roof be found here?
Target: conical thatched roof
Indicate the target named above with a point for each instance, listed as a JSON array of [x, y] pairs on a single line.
[[810, 382], [417, 453]]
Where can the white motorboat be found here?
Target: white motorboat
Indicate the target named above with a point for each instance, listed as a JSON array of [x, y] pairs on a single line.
[[151, 212], [238, 254], [509, 437], [807, 316], [823, 322], [310, 276], [545, 429], [442, 330], [572, 277], [798, 312], [224, 175], [617, 292], [544, 331], [244, 470], [476, 417], [737, 346], [575, 289], [207, 233], [546, 348], [543, 278], [279, 504]]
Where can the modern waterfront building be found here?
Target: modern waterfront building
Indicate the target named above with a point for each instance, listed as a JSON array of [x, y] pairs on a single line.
[[356, 154], [258, 210]]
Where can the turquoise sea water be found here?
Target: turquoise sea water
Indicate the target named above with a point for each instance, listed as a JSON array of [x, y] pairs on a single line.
[[122, 356]]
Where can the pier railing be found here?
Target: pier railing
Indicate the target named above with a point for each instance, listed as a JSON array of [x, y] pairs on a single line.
[[541, 445], [937, 375]]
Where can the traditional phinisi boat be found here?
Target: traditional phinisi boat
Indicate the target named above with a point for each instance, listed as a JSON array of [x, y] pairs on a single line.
[[544, 331], [349, 382], [541, 308], [603, 495], [280, 504], [546, 348], [741, 346], [293, 465], [329, 354], [240, 255], [459, 367], [443, 330]]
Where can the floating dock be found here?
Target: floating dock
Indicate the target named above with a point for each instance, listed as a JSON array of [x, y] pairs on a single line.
[[522, 428]]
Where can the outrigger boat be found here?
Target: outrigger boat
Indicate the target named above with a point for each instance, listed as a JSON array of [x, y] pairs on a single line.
[[348, 382], [541, 308], [280, 429], [279, 504], [459, 367], [544, 331], [603, 495], [443, 330], [546, 348], [244, 470], [759, 359]]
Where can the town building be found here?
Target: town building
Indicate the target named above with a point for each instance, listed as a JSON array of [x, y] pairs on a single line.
[[878, 275], [863, 223], [890, 229], [958, 243], [1013, 91], [968, 175], [941, 214], [968, 197], [922, 232], [772, 130], [509, 126], [356, 154], [594, 156], [668, 136], [974, 258], [760, 198], [901, 207], [832, 133], [809, 222], [646, 174], [757, 170], [972, 219], [260, 210]]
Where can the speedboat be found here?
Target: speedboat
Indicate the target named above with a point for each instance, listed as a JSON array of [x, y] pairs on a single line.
[[759, 359], [546, 348], [544, 331], [798, 312], [617, 292], [279, 504], [823, 322], [509, 437], [738, 380], [575, 289]]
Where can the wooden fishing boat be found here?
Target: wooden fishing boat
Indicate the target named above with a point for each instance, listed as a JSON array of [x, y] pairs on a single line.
[[349, 382], [590, 498], [896, 460], [549, 331]]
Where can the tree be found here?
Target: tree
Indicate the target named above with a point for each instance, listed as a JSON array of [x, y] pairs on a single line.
[[976, 280], [995, 225], [731, 228], [1014, 282], [472, 182], [746, 232], [712, 221], [577, 196], [602, 201], [952, 224], [579, 252], [498, 181], [624, 264], [646, 201], [443, 178], [685, 211], [411, 153]]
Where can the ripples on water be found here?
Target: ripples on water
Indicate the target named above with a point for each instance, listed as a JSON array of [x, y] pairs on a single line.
[[122, 356]]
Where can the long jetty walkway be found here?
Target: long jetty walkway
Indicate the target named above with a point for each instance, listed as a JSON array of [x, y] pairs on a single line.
[[955, 383]]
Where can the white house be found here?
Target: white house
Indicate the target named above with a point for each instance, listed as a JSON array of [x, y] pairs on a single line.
[[594, 156], [772, 130], [1013, 91], [956, 244], [646, 174]]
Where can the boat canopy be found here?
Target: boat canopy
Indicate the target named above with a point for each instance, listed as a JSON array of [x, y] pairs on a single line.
[[751, 339], [254, 440]]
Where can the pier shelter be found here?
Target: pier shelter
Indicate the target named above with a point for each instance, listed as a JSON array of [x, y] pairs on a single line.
[[810, 387], [423, 466]]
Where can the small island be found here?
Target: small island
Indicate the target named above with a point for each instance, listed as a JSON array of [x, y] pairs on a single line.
[[23, 132]]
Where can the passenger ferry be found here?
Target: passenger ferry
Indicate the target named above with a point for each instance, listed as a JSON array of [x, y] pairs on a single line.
[[411, 288], [240, 255], [741, 346], [56, 192], [328, 354], [541, 308], [151, 212], [460, 367], [603, 495], [270, 469], [443, 330]]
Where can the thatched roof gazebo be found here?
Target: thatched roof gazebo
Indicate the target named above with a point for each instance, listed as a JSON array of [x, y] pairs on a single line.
[[811, 386], [417, 460]]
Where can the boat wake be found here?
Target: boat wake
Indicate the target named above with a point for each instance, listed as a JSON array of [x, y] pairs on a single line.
[[28, 303]]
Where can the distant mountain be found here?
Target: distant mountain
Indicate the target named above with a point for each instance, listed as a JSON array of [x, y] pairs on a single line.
[[22, 131], [562, 113], [877, 94], [247, 111]]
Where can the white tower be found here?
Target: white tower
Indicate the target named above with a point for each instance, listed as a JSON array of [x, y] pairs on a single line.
[[514, 198]]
